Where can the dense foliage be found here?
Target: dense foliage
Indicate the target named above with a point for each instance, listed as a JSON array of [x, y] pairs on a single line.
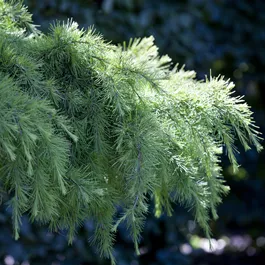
[[116, 126]]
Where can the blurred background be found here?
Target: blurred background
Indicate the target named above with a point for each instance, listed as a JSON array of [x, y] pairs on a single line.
[[226, 36]]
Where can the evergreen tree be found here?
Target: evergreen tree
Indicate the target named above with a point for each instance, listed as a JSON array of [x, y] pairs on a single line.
[[87, 127]]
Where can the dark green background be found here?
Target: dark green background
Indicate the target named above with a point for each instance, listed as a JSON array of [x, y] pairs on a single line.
[[226, 36]]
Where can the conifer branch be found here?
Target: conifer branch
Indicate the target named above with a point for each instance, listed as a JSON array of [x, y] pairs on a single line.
[[87, 127]]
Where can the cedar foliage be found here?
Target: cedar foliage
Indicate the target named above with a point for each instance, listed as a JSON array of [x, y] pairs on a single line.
[[87, 127]]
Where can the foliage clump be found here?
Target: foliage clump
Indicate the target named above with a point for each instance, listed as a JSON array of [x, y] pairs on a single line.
[[87, 128]]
